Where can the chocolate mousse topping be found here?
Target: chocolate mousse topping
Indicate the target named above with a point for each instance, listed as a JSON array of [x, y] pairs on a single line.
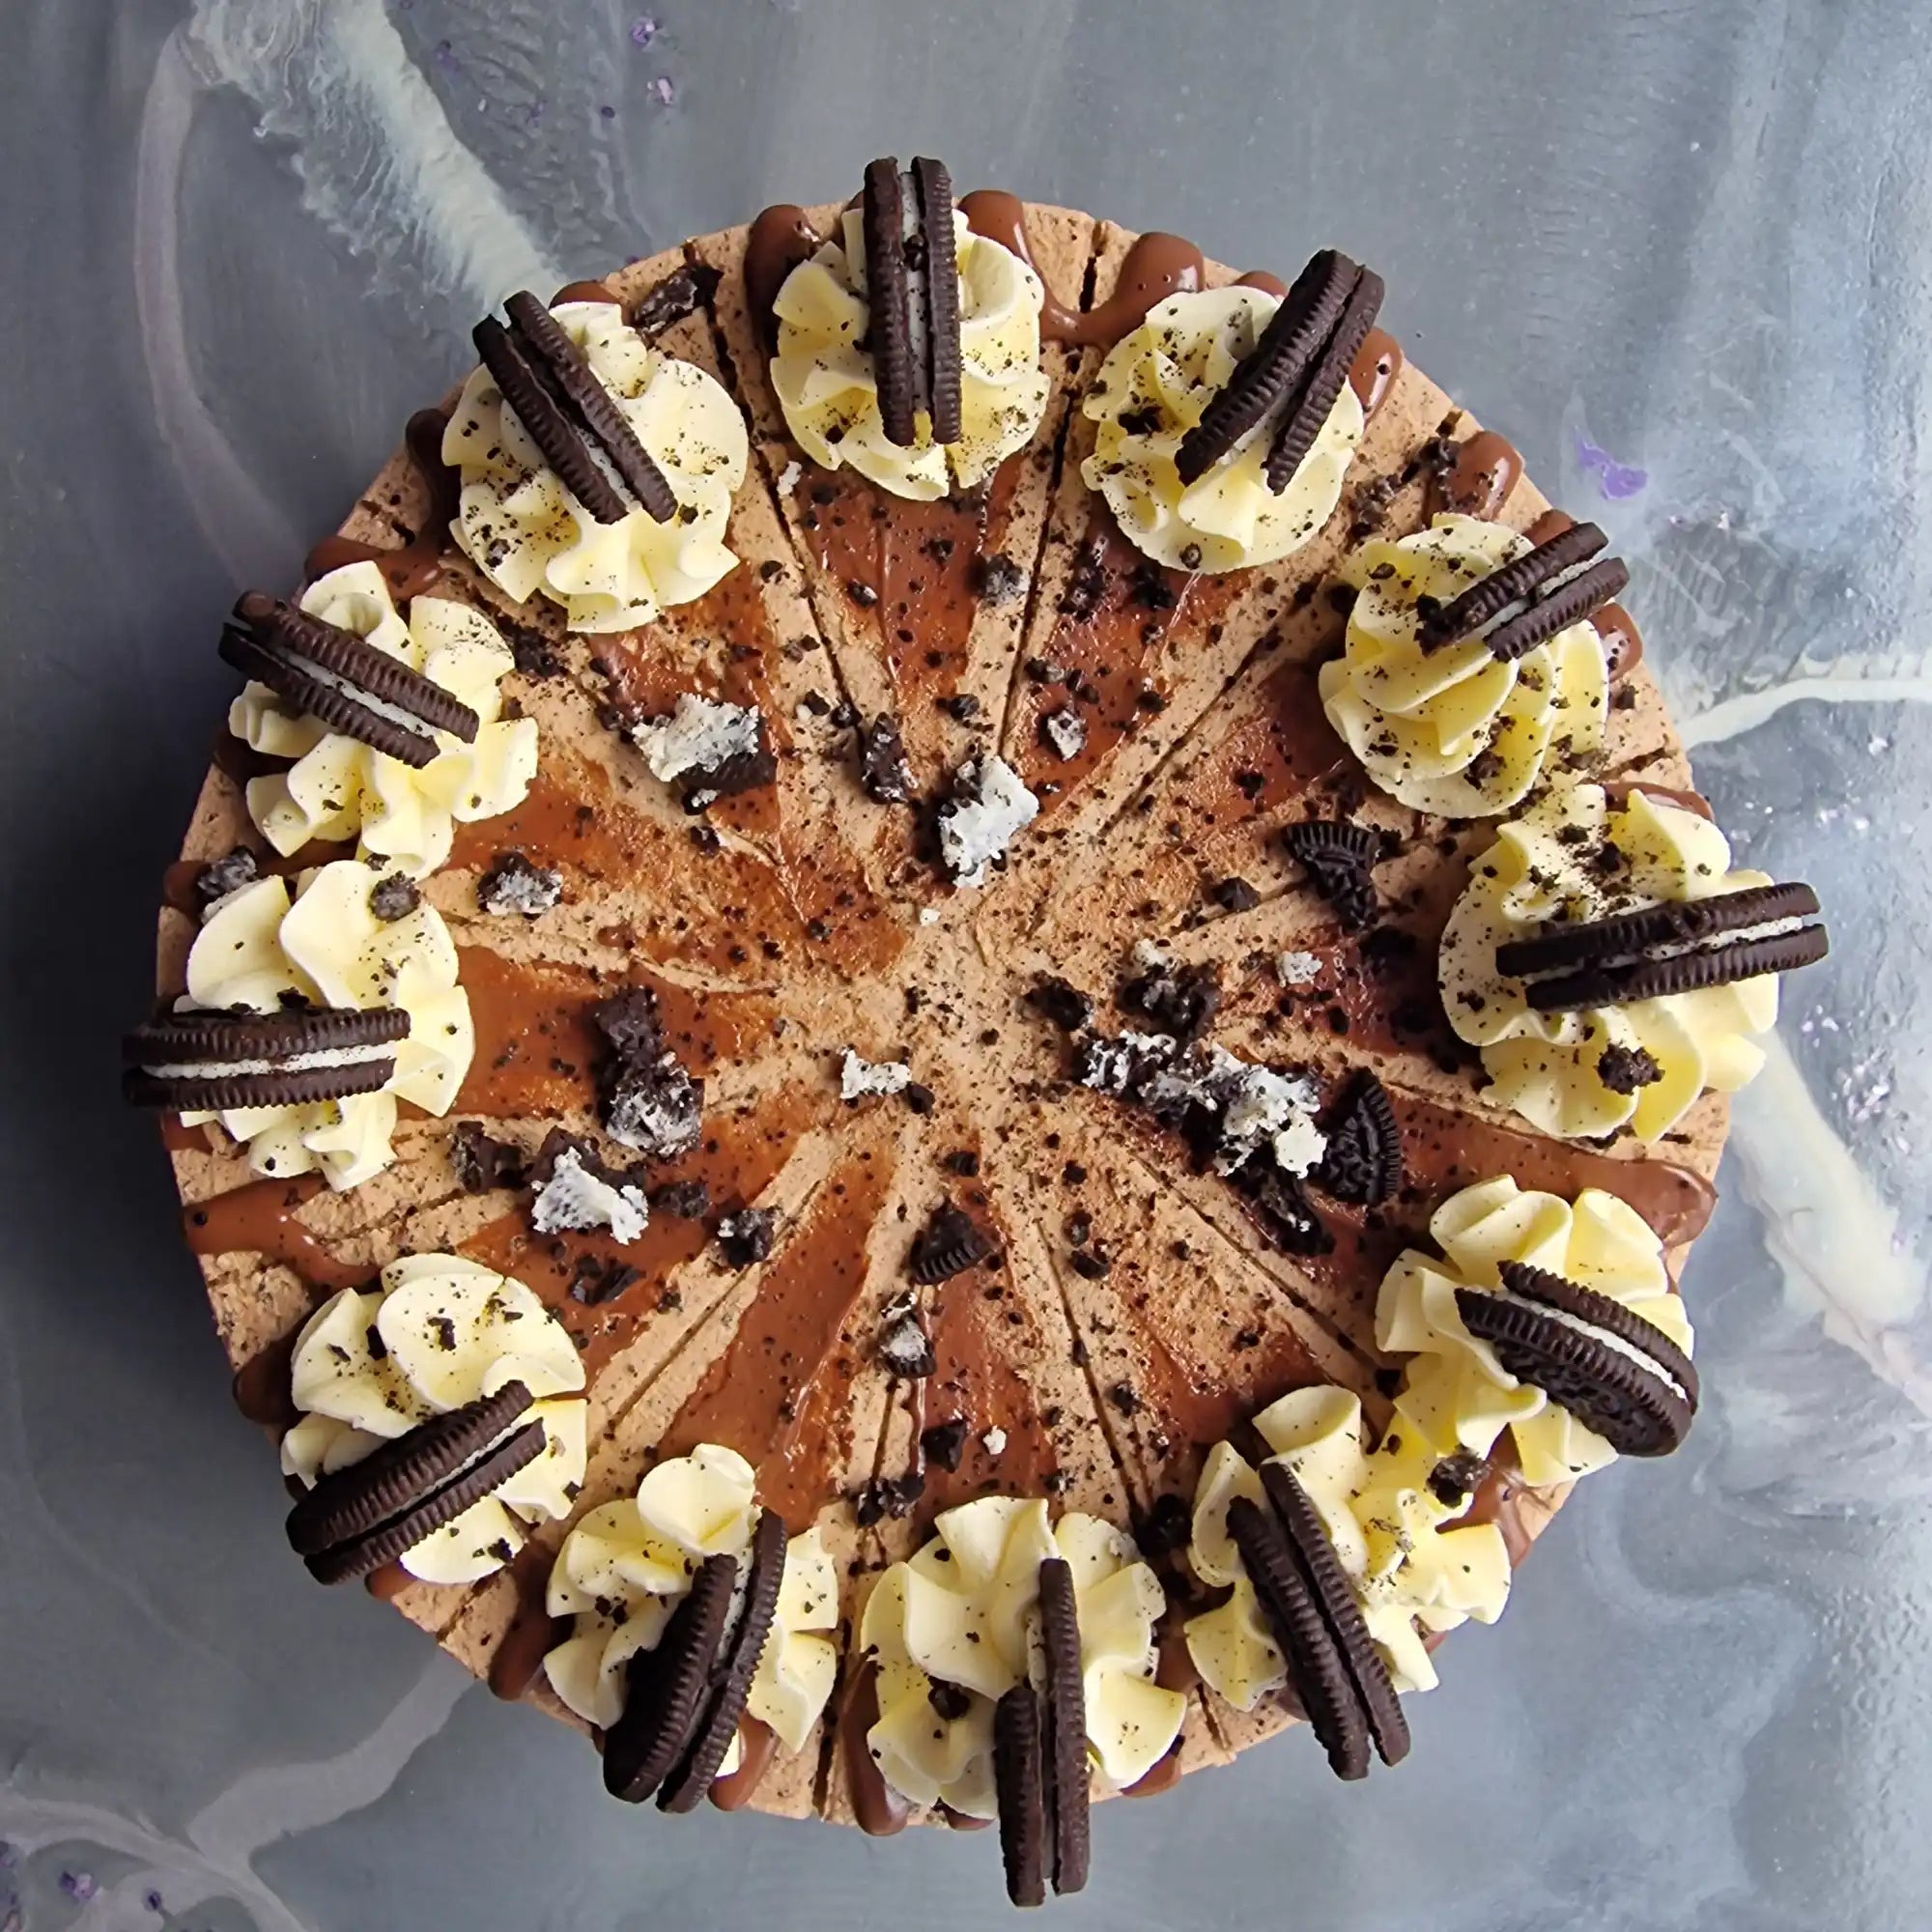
[[1528, 601], [341, 678]]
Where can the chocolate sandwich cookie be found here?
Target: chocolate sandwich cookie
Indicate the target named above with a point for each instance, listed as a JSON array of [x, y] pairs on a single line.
[[1340, 858], [1019, 1781], [1340, 1611], [1678, 947], [571, 418], [686, 1786], [343, 679], [1617, 1374], [371, 1513], [912, 287], [666, 1687], [1064, 1744], [1527, 601], [949, 1244], [1296, 368], [1362, 1161], [1320, 1678], [213, 1061]]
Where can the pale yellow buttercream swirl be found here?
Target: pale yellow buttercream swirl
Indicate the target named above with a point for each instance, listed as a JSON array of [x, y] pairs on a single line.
[[1153, 387], [436, 1333], [626, 1564], [1576, 855], [825, 383], [529, 535], [338, 787], [963, 1613], [1411, 1576], [1458, 730], [326, 946], [1454, 1393]]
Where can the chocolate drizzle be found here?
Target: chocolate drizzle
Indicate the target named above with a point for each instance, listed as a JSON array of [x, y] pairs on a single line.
[[781, 238], [260, 1217], [417, 565]]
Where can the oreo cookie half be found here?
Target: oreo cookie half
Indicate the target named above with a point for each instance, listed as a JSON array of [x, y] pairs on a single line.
[[687, 1785], [1340, 1611], [369, 1513], [912, 284], [949, 1244], [1675, 948], [1064, 1748], [1019, 1781], [559, 362], [343, 679], [1339, 857], [666, 1687], [1614, 1372], [1322, 1679], [1278, 364], [1527, 601], [1362, 1161], [212, 1061]]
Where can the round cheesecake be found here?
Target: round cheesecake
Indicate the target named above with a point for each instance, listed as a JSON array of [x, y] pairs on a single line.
[[1020, 795]]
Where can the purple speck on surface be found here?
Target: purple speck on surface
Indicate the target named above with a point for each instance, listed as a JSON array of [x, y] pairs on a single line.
[[663, 90], [444, 56], [607, 112], [151, 1899], [78, 1885], [644, 31], [533, 113], [1615, 480]]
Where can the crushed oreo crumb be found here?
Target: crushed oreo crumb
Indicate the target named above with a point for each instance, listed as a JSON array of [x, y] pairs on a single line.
[[1362, 1161], [1064, 732], [514, 885], [1235, 895], [1338, 857], [1062, 1002], [949, 1244], [997, 579], [883, 769], [645, 1098], [1177, 1000], [222, 876], [944, 1444], [745, 1237], [907, 1349], [682, 293], [1623, 1070], [482, 1162], [395, 897], [887, 1497]]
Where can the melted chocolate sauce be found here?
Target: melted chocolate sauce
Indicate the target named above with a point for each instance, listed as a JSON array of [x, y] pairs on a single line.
[[781, 238], [534, 1632], [757, 1744], [417, 565], [881, 1811], [1478, 482], [259, 1217]]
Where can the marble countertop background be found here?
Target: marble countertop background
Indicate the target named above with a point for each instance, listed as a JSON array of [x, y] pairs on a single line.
[[1681, 251]]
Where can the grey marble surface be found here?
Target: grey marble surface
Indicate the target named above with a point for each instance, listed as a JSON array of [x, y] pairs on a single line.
[[1680, 249]]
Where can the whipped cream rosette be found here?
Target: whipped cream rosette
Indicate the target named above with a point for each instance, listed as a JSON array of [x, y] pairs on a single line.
[[1592, 1065], [953, 1628], [340, 789], [1450, 726], [1411, 1576], [1457, 1394], [626, 1565], [435, 1335], [326, 946], [1156, 385], [827, 377], [531, 534]]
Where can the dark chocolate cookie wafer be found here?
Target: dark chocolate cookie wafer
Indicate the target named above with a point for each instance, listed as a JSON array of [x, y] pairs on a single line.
[[1340, 858], [1320, 1677], [1019, 1779], [944, 371], [1629, 937], [422, 1481], [1612, 1371], [556, 357], [1525, 602], [1276, 365], [1362, 1161], [664, 1687], [562, 446], [949, 1244], [210, 1062], [1064, 1754], [685, 1788], [349, 683], [1340, 1611], [1680, 972], [896, 370], [1309, 410]]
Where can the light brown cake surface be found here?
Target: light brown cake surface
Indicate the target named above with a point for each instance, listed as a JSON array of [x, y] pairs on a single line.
[[819, 925]]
